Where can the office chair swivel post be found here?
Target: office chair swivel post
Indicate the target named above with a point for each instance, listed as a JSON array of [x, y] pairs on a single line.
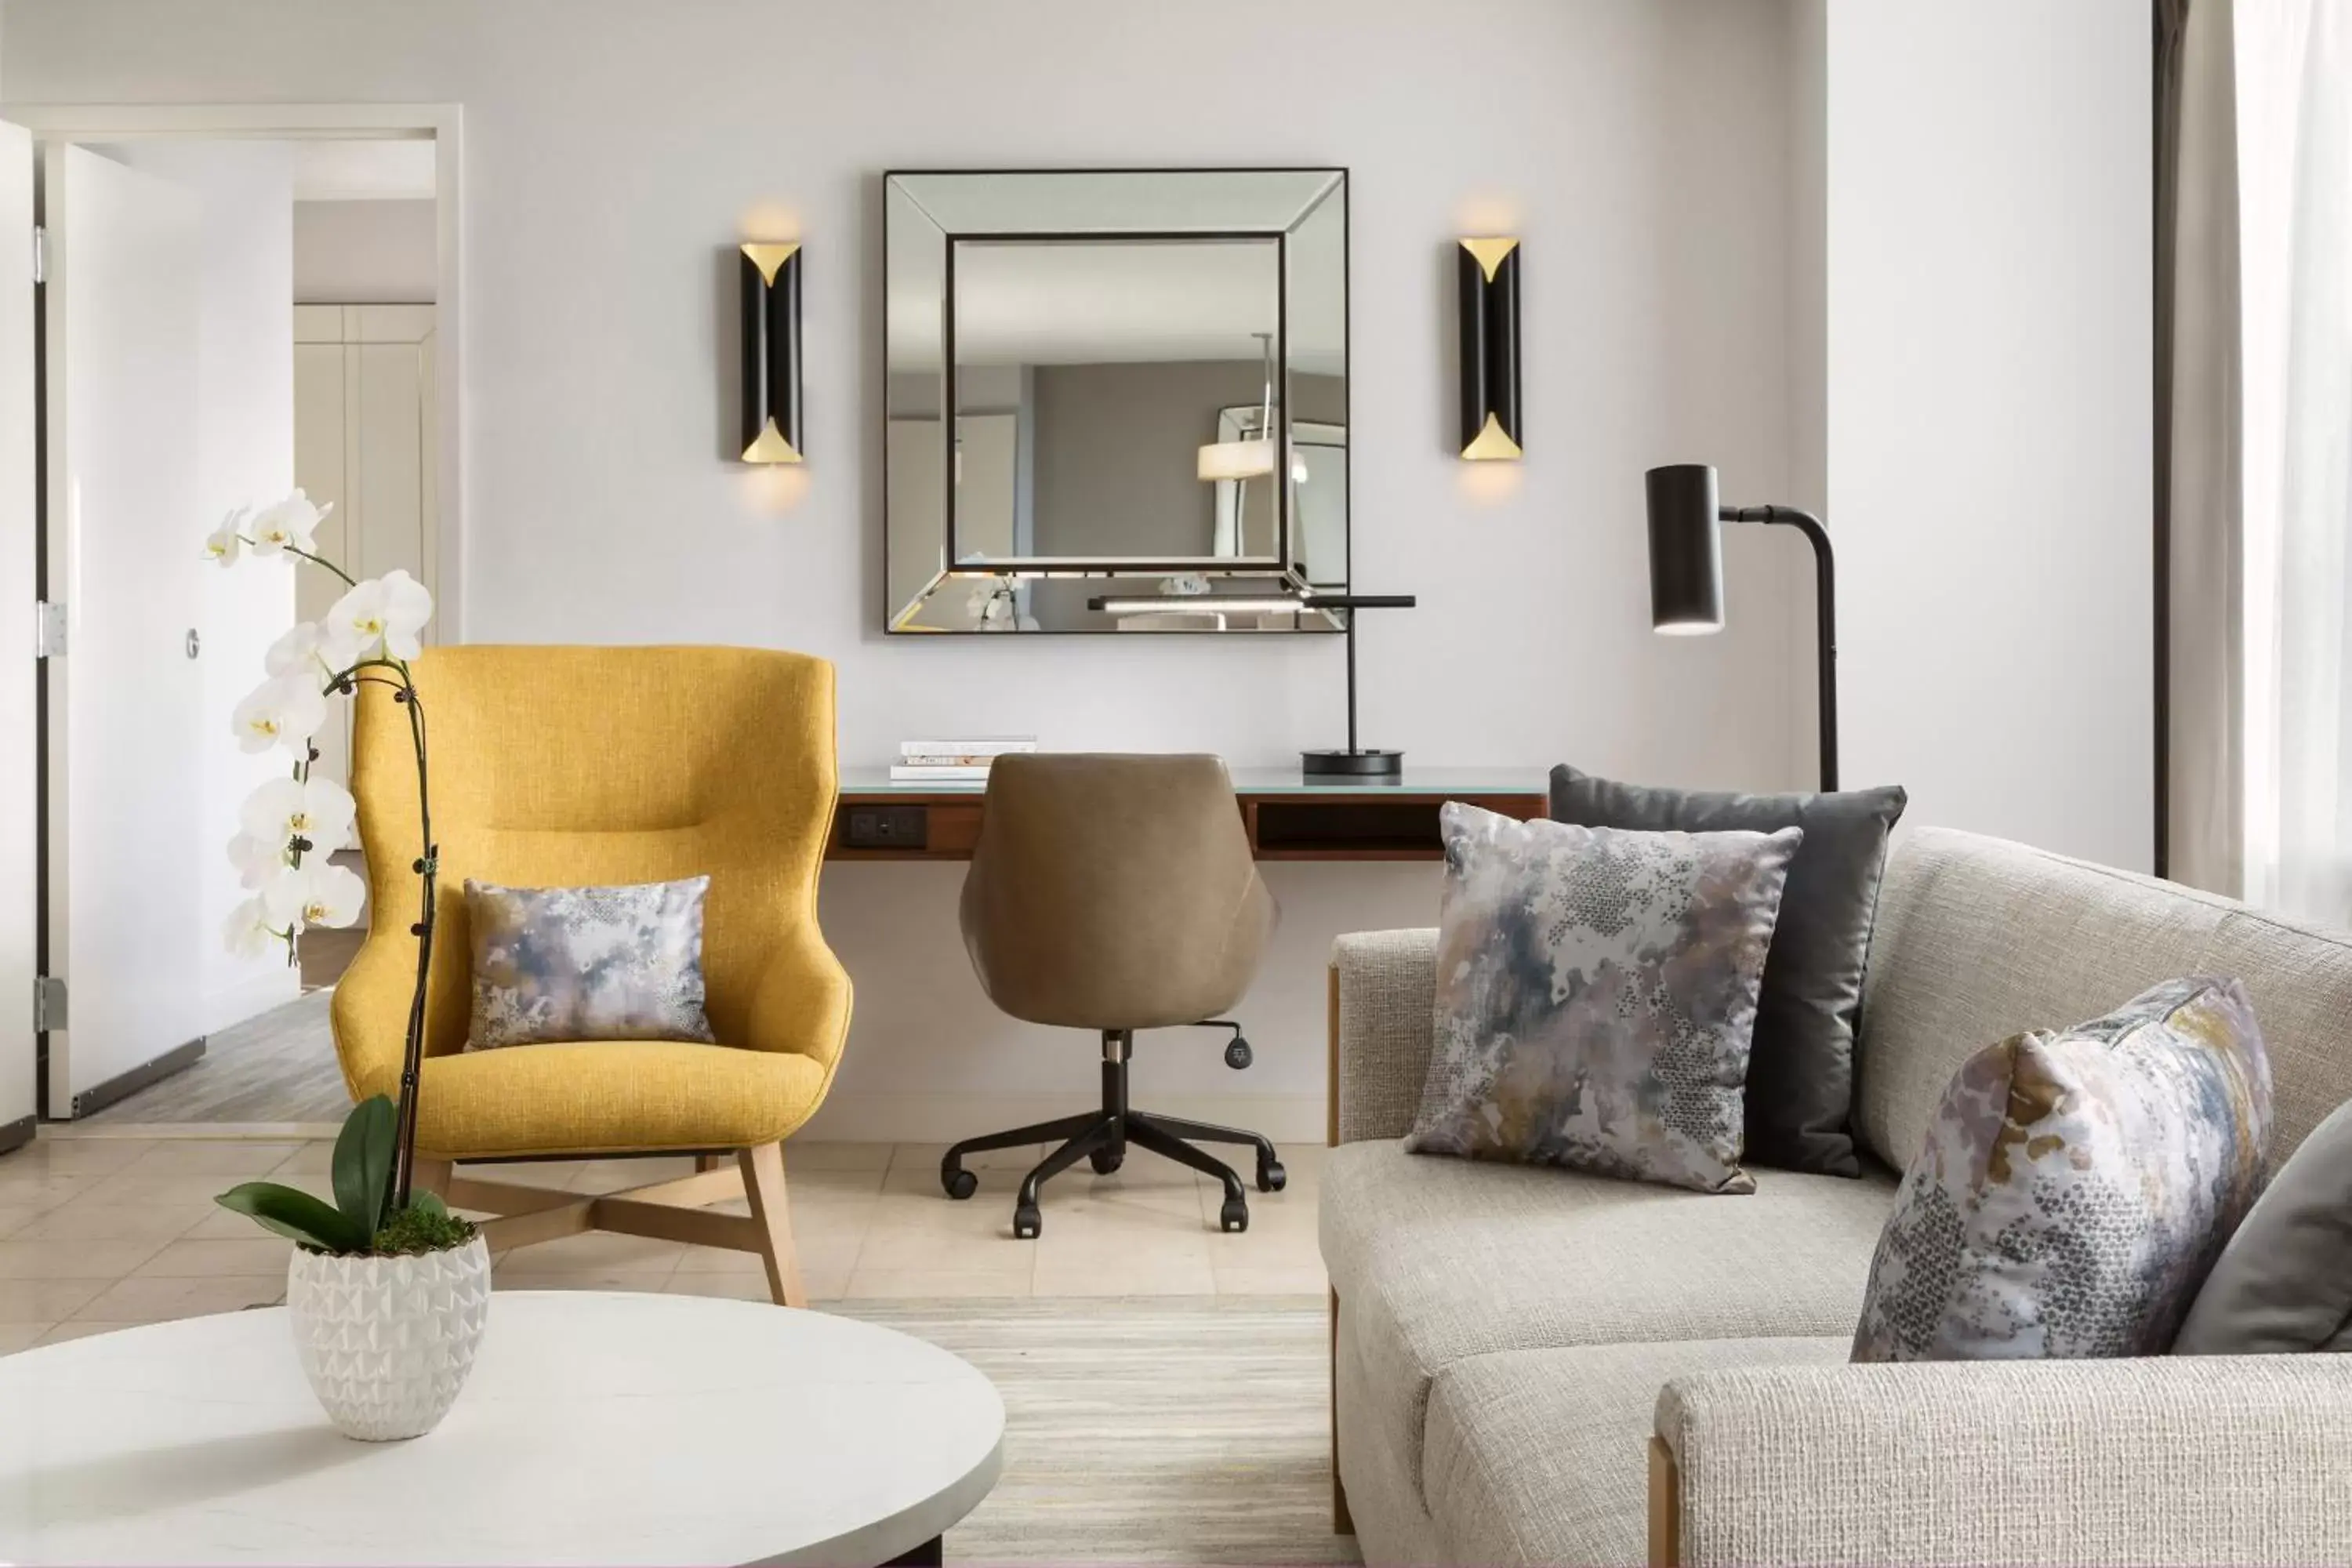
[[1101, 1137]]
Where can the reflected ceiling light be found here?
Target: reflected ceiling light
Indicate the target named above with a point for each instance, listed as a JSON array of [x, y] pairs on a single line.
[[1488, 274], [772, 353]]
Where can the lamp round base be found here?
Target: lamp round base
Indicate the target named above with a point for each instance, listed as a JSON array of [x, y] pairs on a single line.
[[1365, 765]]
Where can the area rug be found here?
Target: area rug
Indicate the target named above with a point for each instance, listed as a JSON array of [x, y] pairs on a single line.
[[1192, 1431]]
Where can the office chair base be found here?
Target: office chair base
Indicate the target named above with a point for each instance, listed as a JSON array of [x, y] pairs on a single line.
[[1101, 1138]]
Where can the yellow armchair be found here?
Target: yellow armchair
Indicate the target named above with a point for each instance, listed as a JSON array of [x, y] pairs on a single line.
[[580, 767]]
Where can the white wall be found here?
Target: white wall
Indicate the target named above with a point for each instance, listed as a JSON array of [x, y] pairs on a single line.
[[615, 152], [365, 253], [244, 453], [1989, 382]]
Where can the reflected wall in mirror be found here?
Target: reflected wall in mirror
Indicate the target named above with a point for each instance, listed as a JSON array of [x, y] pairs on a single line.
[[1122, 383]]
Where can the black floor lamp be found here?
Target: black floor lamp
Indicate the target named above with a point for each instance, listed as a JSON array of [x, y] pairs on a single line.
[[1687, 574]]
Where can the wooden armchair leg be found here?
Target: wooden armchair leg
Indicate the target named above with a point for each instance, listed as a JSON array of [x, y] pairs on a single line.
[[763, 1184]]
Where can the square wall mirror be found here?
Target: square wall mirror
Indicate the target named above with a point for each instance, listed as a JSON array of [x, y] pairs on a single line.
[[1123, 385]]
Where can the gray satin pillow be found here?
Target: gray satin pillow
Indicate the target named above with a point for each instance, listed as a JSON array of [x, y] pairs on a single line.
[[1800, 1068], [553, 964], [2285, 1282]]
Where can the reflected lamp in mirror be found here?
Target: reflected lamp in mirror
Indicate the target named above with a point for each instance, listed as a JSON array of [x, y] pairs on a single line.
[[771, 352], [1101, 381], [1488, 273]]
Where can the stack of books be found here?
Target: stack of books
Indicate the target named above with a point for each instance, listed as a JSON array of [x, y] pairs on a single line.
[[941, 762]]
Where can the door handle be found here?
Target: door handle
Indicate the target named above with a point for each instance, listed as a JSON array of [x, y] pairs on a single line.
[[195, 643]]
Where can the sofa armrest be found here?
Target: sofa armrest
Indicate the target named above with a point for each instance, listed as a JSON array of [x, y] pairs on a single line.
[[1383, 1001], [2205, 1460]]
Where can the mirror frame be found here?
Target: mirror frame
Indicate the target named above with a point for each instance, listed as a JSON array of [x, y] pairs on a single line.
[[897, 617]]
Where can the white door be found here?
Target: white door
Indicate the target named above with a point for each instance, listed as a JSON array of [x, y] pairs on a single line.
[[19, 765], [125, 556]]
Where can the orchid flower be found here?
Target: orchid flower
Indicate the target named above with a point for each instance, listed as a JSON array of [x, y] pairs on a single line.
[[285, 711], [386, 611], [318, 811], [256, 859], [247, 930], [292, 523], [316, 893], [223, 542], [297, 652]]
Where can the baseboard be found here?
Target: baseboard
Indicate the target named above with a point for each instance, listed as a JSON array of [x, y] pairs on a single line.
[[944, 1117], [249, 998], [123, 1085]]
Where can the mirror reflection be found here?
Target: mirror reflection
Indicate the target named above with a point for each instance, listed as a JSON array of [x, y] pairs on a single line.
[[1131, 385]]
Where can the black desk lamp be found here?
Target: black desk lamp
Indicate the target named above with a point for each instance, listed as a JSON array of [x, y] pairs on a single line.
[[1356, 761], [1687, 574]]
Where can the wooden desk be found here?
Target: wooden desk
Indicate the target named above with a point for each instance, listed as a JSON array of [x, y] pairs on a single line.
[[1287, 817]]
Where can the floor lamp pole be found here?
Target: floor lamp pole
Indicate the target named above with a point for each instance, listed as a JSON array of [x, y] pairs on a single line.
[[1825, 615]]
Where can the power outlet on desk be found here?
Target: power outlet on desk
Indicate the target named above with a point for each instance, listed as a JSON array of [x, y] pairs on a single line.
[[886, 827]]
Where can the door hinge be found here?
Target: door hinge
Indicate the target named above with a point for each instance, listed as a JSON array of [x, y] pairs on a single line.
[[49, 1003], [49, 620], [41, 254]]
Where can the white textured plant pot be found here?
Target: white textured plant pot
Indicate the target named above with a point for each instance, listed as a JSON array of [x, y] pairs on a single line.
[[388, 1341]]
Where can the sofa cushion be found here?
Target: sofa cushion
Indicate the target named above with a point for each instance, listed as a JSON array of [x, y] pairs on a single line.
[[1543, 1455], [1436, 1260]]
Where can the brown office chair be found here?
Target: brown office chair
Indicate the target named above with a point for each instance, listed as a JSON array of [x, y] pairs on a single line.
[[1115, 893]]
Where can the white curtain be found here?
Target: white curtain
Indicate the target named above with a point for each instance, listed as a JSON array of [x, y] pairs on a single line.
[[2259, 479], [2294, 71]]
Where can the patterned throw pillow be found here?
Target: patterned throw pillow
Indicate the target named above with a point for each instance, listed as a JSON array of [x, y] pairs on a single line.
[[586, 963], [1595, 992], [2076, 1186]]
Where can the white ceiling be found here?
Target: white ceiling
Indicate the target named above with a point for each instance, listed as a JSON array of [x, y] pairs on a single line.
[[363, 170]]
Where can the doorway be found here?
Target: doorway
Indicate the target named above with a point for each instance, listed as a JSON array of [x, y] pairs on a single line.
[[298, 266]]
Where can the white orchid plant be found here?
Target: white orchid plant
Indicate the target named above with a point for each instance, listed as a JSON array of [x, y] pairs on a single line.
[[290, 828]]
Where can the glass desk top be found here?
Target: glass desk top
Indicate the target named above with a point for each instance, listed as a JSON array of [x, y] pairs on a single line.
[[1262, 780]]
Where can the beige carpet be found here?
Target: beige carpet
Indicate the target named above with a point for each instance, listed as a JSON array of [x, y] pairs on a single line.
[[1189, 1431]]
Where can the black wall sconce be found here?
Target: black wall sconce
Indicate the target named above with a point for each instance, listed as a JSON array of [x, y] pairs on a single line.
[[1489, 273], [772, 353]]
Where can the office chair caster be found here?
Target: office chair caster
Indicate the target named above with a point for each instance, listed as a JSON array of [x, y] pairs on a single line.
[[1271, 1177], [1026, 1222], [1233, 1215], [959, 1183], [1105, 1160]]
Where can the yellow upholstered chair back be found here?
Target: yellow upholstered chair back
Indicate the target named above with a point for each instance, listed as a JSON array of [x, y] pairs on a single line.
[[597, 766]]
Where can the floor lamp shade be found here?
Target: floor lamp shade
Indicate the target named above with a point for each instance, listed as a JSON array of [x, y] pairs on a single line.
[[1685, 549], [1488, 271], [772, 353]]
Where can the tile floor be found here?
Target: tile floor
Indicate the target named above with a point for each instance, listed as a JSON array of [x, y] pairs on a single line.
[[99, 1232]]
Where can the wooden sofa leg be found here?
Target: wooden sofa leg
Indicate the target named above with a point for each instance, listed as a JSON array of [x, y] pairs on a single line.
[[1665, 1507], [1343, 1521], [763, 1184]]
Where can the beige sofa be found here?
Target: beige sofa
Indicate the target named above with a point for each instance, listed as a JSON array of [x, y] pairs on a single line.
[[1539, 1366]]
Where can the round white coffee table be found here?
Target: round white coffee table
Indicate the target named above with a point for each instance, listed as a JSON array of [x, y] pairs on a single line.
[[597, 1428]]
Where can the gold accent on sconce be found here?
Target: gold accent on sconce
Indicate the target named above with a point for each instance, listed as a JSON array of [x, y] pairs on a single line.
[[767, 258], [1490, 251], [1491, 445], [770, 447]]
